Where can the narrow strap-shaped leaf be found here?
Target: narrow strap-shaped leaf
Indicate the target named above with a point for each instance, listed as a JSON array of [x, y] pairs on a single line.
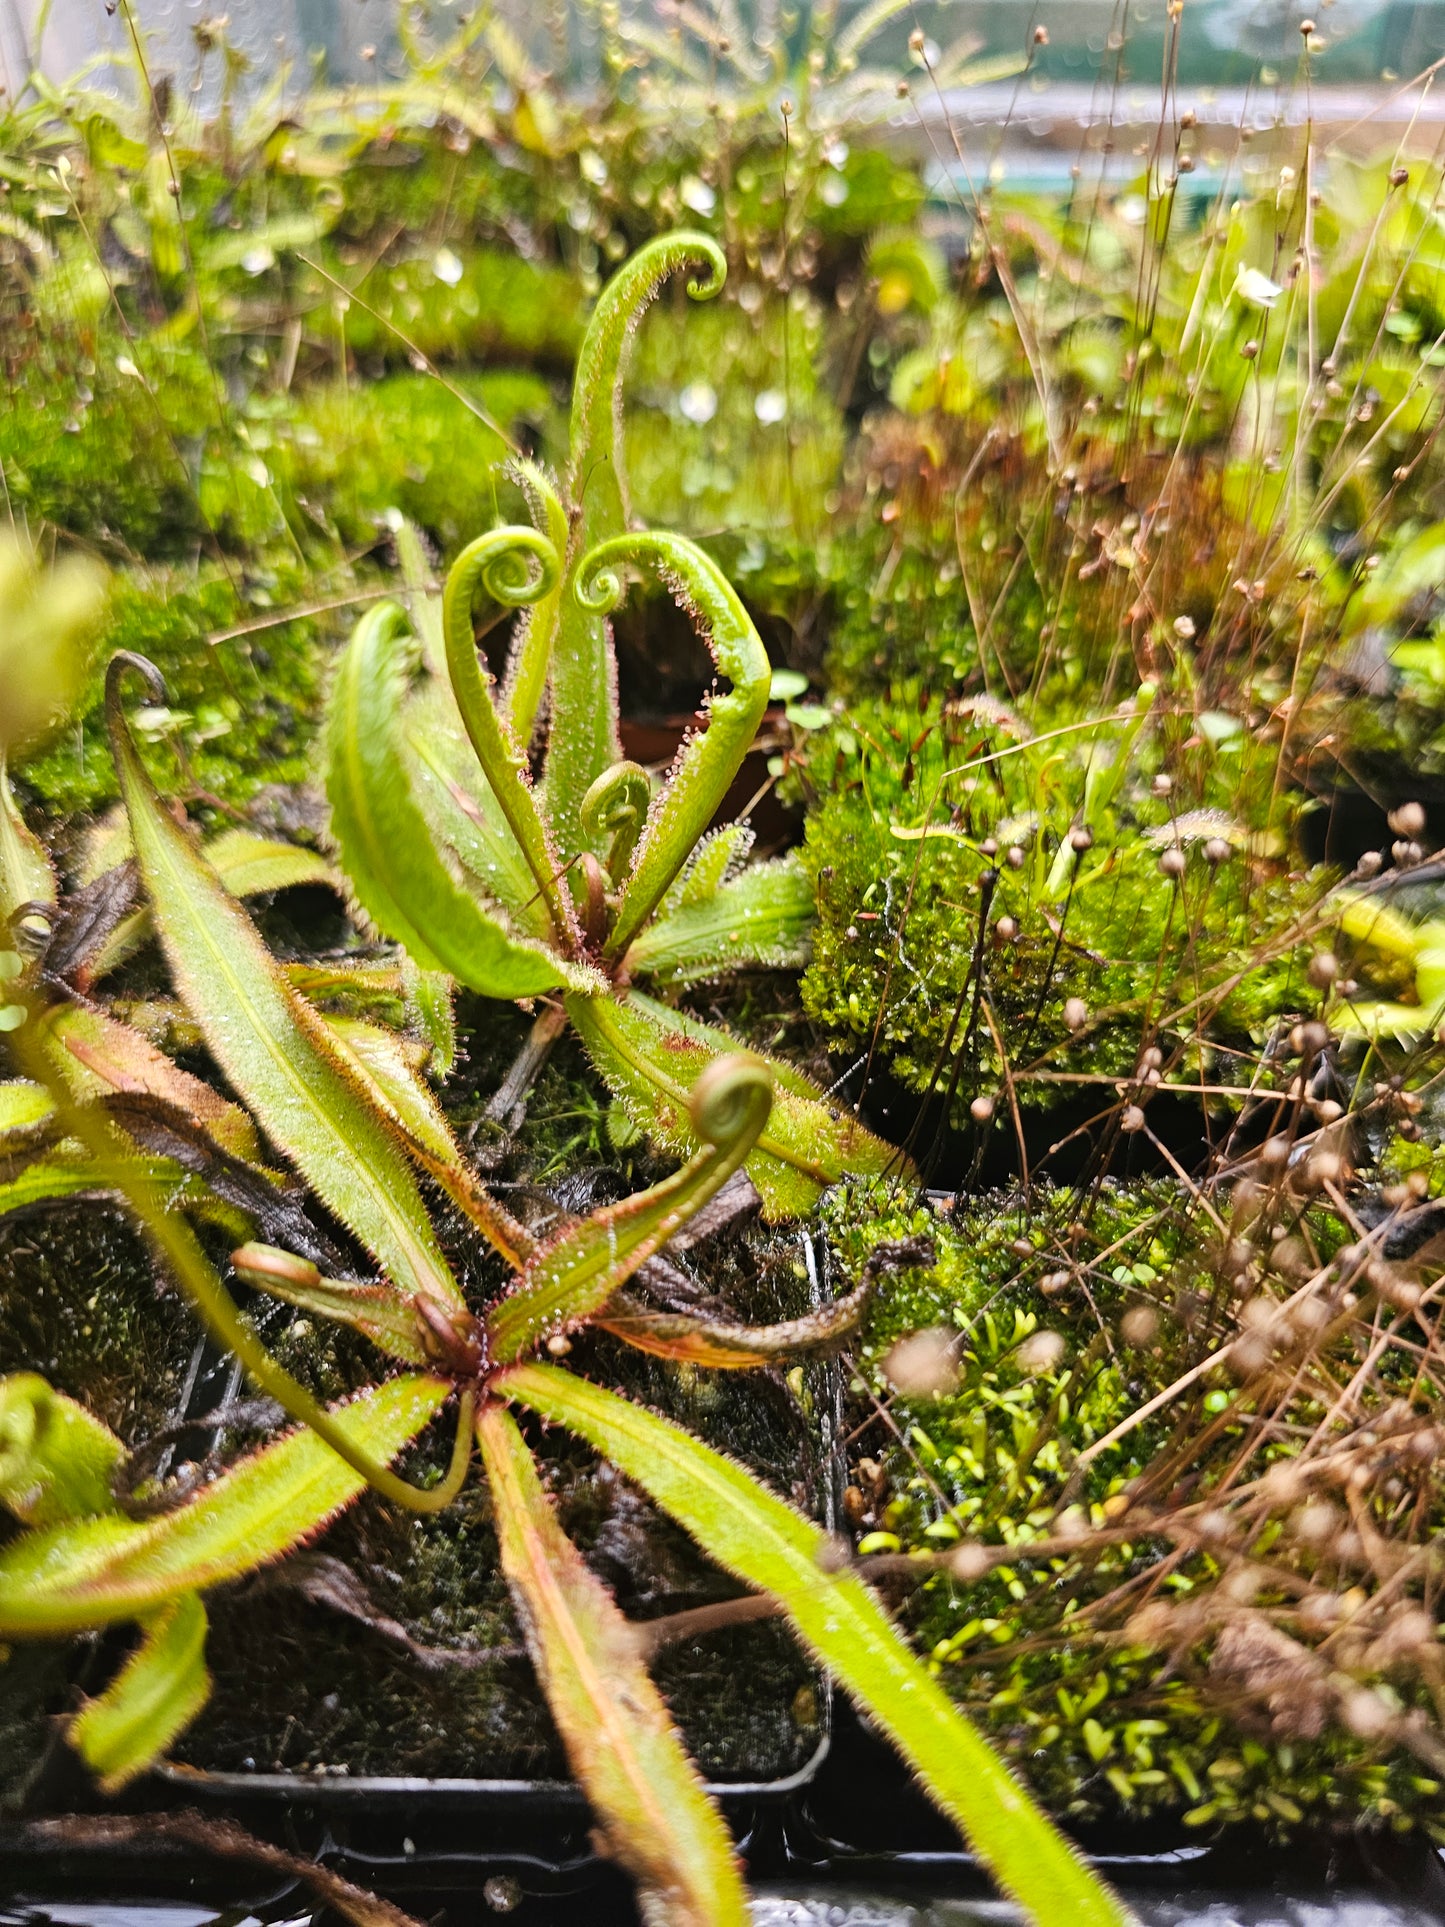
[[400, 878], [155, 1695], [762, 917], [712, 1342], [94, 1052], [26, 872], [492, 560], [272, 1046], [650, 1056], [583, 738], [431, 1016], [56, 1460], [97, 1571], [596, 481], [376, 1309], [247, 864], [708, 762], [619, 1736], [67, 1172], [378, 1059], [531, 658], [755, 1535], [574, 1274]]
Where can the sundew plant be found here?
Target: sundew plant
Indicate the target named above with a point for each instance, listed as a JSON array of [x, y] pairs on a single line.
[[1064, 564]]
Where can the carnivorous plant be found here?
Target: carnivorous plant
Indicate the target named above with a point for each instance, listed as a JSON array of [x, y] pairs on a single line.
[[589, 882], [350, 1114]]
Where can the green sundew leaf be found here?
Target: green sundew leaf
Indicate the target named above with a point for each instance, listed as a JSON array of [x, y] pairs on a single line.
[[156, 1694], [56, 1461], [24, 1107], [385, 1063], [248, 865], [377, 1310], [463, 816], [431, 1013], [595, 475], [97, 1571], [273, 1047], [574, 1274], [379, 989], [716, 857], [66, 1172], [380, 1062], [754, 1534], [619, 1736], [703, 773], [399, 877], [251, 865], [651, 1056], [531, 658], [95, 1053], [516, 565], [762, 917], [26, 872], [583, 738]]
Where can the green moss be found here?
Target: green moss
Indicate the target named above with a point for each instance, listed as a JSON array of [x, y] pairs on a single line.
[[906, 794], [484, 303], [344, 457], [242, 709], [1101, 1723]]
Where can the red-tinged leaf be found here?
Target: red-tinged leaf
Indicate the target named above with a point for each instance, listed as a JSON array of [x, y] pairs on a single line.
[[724, 1347], [619, 1736], [574, 1274], [272, 1045]]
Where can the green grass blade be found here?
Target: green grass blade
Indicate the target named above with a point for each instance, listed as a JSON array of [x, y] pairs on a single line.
[[272, 1046], [755, 1535], [575, 1273], [400, 878], [618, 1733], [156, 1694], [97, 1571]]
